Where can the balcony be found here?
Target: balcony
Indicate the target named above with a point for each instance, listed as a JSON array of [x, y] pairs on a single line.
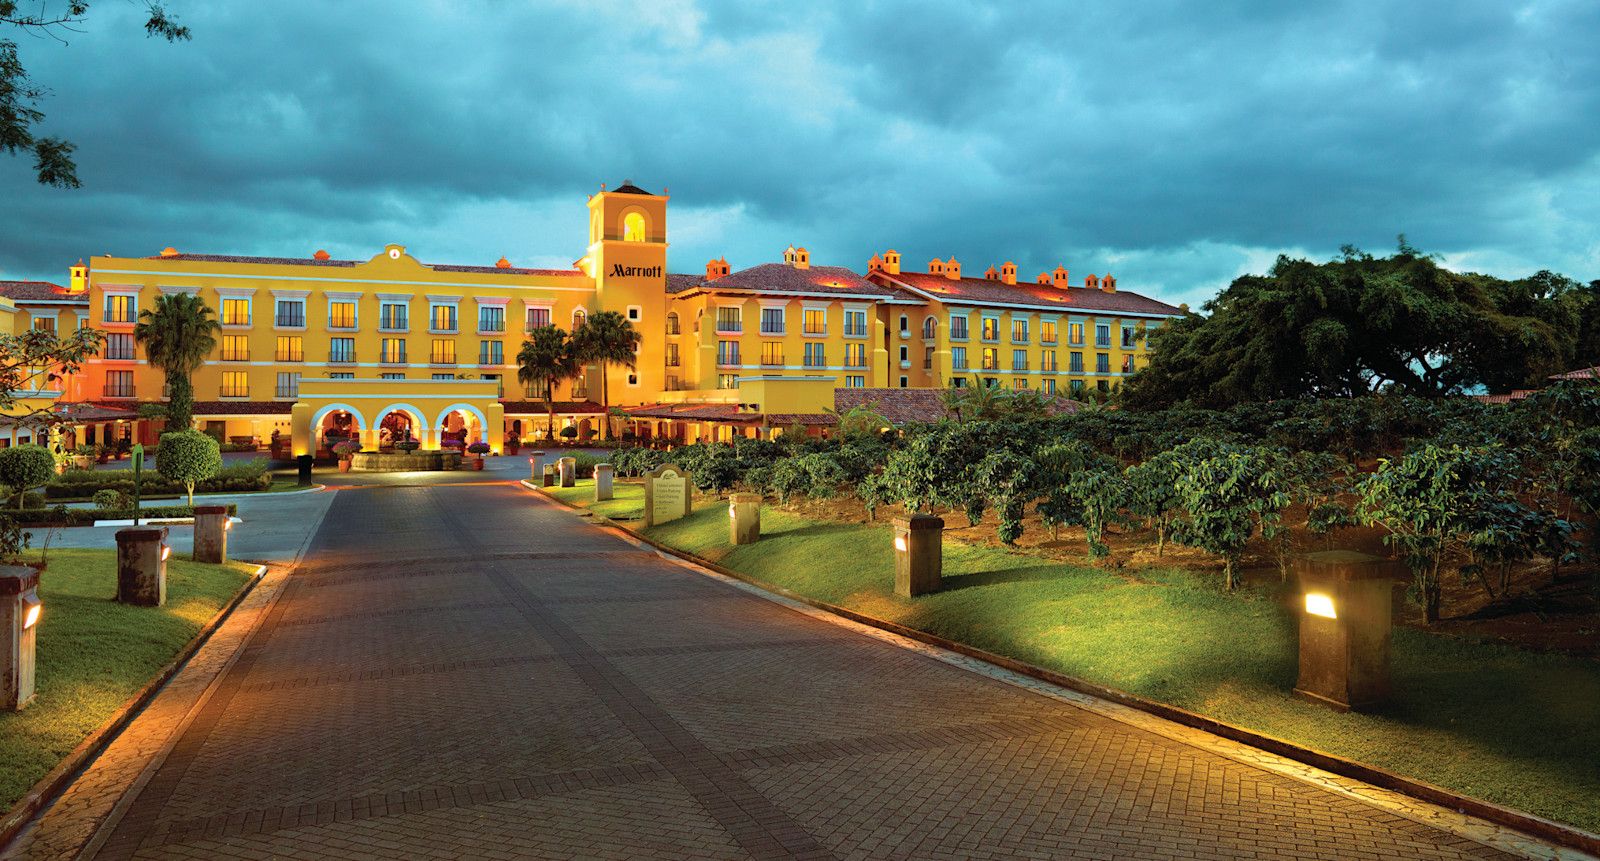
[[772, 329], [122, 354], [393, 359], [442, 359], [290, 321], [855, 331], [342, 357], [289, 356], [1019, 366], [118, 390], [490, 359], [672, 361], [234, 392], [234, 356], [732, 327], [286, 392]]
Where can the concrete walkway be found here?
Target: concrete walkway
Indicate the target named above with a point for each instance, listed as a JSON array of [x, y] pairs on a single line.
[[472, 672]]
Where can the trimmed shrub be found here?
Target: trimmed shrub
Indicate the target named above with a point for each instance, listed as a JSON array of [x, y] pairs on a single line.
[[108, 498], [25, 466], [63, 516], [188, 457]]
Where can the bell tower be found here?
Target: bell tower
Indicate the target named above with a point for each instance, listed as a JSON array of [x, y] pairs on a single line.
[[628, 246]]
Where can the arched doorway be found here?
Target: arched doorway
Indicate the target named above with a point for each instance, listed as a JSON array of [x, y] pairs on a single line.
[[337, 425], [459, 426], [400, 422]]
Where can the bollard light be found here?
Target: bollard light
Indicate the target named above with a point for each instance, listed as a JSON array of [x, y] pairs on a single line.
[[1344, 633], [227, 525], [166, 550], [900, 543], [918, 555], [1320, 605], [732, 512], [30, 611]]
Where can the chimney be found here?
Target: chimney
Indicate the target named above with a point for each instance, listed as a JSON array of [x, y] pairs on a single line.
[[1092, 281], [1109, 285], [992, 275], [875, 264], [788, 255], [802, 259], [891, 262], [80, 278], [952, 270], [1059, 280], [1044, 278], [716, 269], [935, 266], [1008, 272]]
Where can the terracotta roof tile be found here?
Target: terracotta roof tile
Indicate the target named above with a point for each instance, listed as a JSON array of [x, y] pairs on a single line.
[[779, 420], [273, 261], [243, 408], [495, 270], [1580, 374], [537, 408], [913, 405], [23, 291], [680, 283], [83, 411], [783, 278], [692, 412], [983, 291]]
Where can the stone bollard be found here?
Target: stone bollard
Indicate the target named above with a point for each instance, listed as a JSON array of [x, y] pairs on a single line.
[[569, 471], [19, 617], [142, 566], [1344, 629], [602, 481], [304, 464], [536, 467], [918, 555], [549, 476], [744, 518], [211, 533]]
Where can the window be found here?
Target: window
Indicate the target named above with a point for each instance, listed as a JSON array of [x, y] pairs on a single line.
[[342, 315], [1075, 333], [44, 324], [633, 379], [930, 329], [727, 352], [1047, 331], [1019, 331], [1075, 363], [290, 349], [1128, 334], [814, 355], [905, 326], [958, 328], [391, 376], [444, 352], [1102, 363], [235, 348], [492, 319], [491, 353], [727, 381], [291, 314], [1102, 336], [991, 328], [236, 312], [538, 318], [1049, 387], [342, 350], [671, 384], [905, 353], [1019, 360], [444, 376], [1047, 361], [855, 324], [120, 345], [634, 311], [816, 321], [1127, 364], [855, 355], [927, 358], [119, 384], [772, 321], [442, 318], [991, 359], [905, 382], [672, 324], [1077, 385], [288, 385], [855, 382], [1019, 384], [672, 355], [578, 319], [958, 383], [235, 384], [1103, 385], [500, 391], [772, 353], [394, 351], [119, 309], [341, 375], [728, 319], [633, 227], [958, 358], [393, 317]]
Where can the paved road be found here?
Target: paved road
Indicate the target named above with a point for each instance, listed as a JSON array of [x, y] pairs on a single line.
[[471, 672]]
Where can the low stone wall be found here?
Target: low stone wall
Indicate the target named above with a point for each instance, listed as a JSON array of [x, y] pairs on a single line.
[[417, 461]]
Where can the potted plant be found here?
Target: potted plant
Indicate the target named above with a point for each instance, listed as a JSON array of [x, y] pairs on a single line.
[[102, 454], [478, 449], [84, 456], [513, 444], [345, 451]]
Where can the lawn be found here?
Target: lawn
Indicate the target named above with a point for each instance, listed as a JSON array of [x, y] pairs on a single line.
[[1511, 727], [94, 654]]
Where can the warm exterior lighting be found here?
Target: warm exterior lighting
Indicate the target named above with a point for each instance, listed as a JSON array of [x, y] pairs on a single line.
[[731, 512], [899, 542], [227, 524], [30, 611], [165, 552], [1320, 605]]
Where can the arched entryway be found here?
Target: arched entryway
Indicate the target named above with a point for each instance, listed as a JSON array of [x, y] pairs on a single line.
[[460, 425], [336, 423]]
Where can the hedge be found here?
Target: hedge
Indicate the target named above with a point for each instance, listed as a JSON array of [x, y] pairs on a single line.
[[85, 516], [83, 484]]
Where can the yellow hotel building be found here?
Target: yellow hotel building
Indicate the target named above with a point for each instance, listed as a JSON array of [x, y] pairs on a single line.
[[309, 345]]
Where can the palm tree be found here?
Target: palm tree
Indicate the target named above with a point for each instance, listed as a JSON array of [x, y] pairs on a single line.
[[547, 358], [608, 338], [859, 419], [177, 336]]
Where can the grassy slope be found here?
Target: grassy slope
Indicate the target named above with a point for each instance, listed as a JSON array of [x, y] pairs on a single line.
[[1511, 727], [94, 654]]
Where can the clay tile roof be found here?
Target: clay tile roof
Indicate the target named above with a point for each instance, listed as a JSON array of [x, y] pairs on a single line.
[[1502, 399], [913, 405], [537, 408], [808, 419], [1580, 374], [680, 283], [783, 278], [243, 408], [692, 412], [271, 261], [629, 188], [83, 411], [502, 270], [984, 291], [22, 291]]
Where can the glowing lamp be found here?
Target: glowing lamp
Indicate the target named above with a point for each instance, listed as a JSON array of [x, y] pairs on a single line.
[[1320, 605], [166, 550], [227, 524], [900, 542], [30, 611], [732, 512]]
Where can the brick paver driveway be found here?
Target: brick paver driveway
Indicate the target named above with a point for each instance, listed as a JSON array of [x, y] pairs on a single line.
[[470, 672]]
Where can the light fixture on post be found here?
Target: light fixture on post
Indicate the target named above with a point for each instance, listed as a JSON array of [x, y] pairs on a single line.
[[918, 555], [142, 566], [1344, 631], [19, 624]]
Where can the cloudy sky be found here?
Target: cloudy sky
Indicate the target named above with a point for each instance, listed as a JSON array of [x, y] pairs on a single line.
[[1175, 145]]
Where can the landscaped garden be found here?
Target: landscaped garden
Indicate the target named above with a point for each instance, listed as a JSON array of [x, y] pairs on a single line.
[[1151, 552]]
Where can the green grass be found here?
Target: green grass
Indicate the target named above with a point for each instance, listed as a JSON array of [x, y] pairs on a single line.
[[1511, 727], [94, 654]]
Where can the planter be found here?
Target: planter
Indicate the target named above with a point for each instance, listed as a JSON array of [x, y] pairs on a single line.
[[477, 463], [104, 458], [83, 461], [344, 465]]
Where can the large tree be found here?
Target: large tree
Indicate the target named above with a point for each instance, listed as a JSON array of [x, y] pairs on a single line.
[[606, 338], [38, 360], [546, 358], [20, 94], [1358, 325], [177, 336]]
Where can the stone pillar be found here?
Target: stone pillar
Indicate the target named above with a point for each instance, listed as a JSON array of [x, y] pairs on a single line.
[[142, 566], [918, 554], [744, 518], [1344, 628], [536, 465], [19, 617], [549, 476], [569, 471], [211, 533], [602, 482]]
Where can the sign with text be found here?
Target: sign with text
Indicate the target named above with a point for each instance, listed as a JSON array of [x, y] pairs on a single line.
[[666, 494]]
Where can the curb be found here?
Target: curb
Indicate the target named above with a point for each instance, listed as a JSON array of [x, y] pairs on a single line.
[[1538, 826], [51, 785]]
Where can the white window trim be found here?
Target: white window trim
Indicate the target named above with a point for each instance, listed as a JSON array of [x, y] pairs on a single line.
[[171, 289], [291, 295], [340, 296]]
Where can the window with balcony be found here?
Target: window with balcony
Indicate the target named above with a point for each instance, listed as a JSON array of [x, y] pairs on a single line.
[[815, 321], [728, 320], [772, 321], [991, 328], [958, 328], [905, 353], [927, 358], [291, 348], [958, 358], [342, 351], [814, 355], [394, 316], [930, 329], [727, 381], [1102, 363], [905, 325], [1128, 336], [1047, 361], [1075, 363], [672, 355], [341, 375], [44, 324], [855, 355], [288, 385], [444, 376], [120, 345], [291, 314], [727, 352], [491, 353], [772, 353], [1075, 334], [538, 318], [119, 384], [120, 309], [672, 384], [578, 319], [236, 312], [855, 382], [1019, 360], [341, 315], [394, 351], [1047, 331], [492, 319], [235, 384], [1076, 385], [442, 318], [1127, 364], [855, 324], [673, 328], [391, 376], [1102, 336], [991, 359], [1049, 387], [235, 348], [444, 352], [1019, 331], [1019, 384]]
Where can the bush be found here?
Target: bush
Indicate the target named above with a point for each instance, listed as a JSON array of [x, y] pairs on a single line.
[[479, 448], [188, 457], [345, 449], [25, 466], [108, 498], [569, 433], [64, 516], [586, 462]]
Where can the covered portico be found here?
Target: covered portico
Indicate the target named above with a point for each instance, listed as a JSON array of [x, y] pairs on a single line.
[[424, 410]]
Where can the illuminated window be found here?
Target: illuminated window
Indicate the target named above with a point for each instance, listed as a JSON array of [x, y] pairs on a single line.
[[290, 349], [235, 384], [772, 353], [394, 351], [235, 348], [119, 309], [927, 358], [1047, 331], [814, 355], [1049, 387], [394, 316], [44, 324], [672, 355], [1075, 333], [578, 319], [633, 229], [991, 359], [342, 315], [727, 381], [816, 321], [444, 352], [1019, 384], [1127, 364], [1047, 361], [672, 323], [991, 328], [855, 382], [855, 355], [236, 312], [538, 318], [727, 352], [1019, 331], [442, 318]]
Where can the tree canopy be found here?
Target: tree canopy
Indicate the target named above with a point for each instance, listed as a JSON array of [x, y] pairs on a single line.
[[177, 336], [1360, 325], [547, 358], [607, 338]]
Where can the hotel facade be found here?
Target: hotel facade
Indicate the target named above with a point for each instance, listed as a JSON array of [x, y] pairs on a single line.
[[391, 345]]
